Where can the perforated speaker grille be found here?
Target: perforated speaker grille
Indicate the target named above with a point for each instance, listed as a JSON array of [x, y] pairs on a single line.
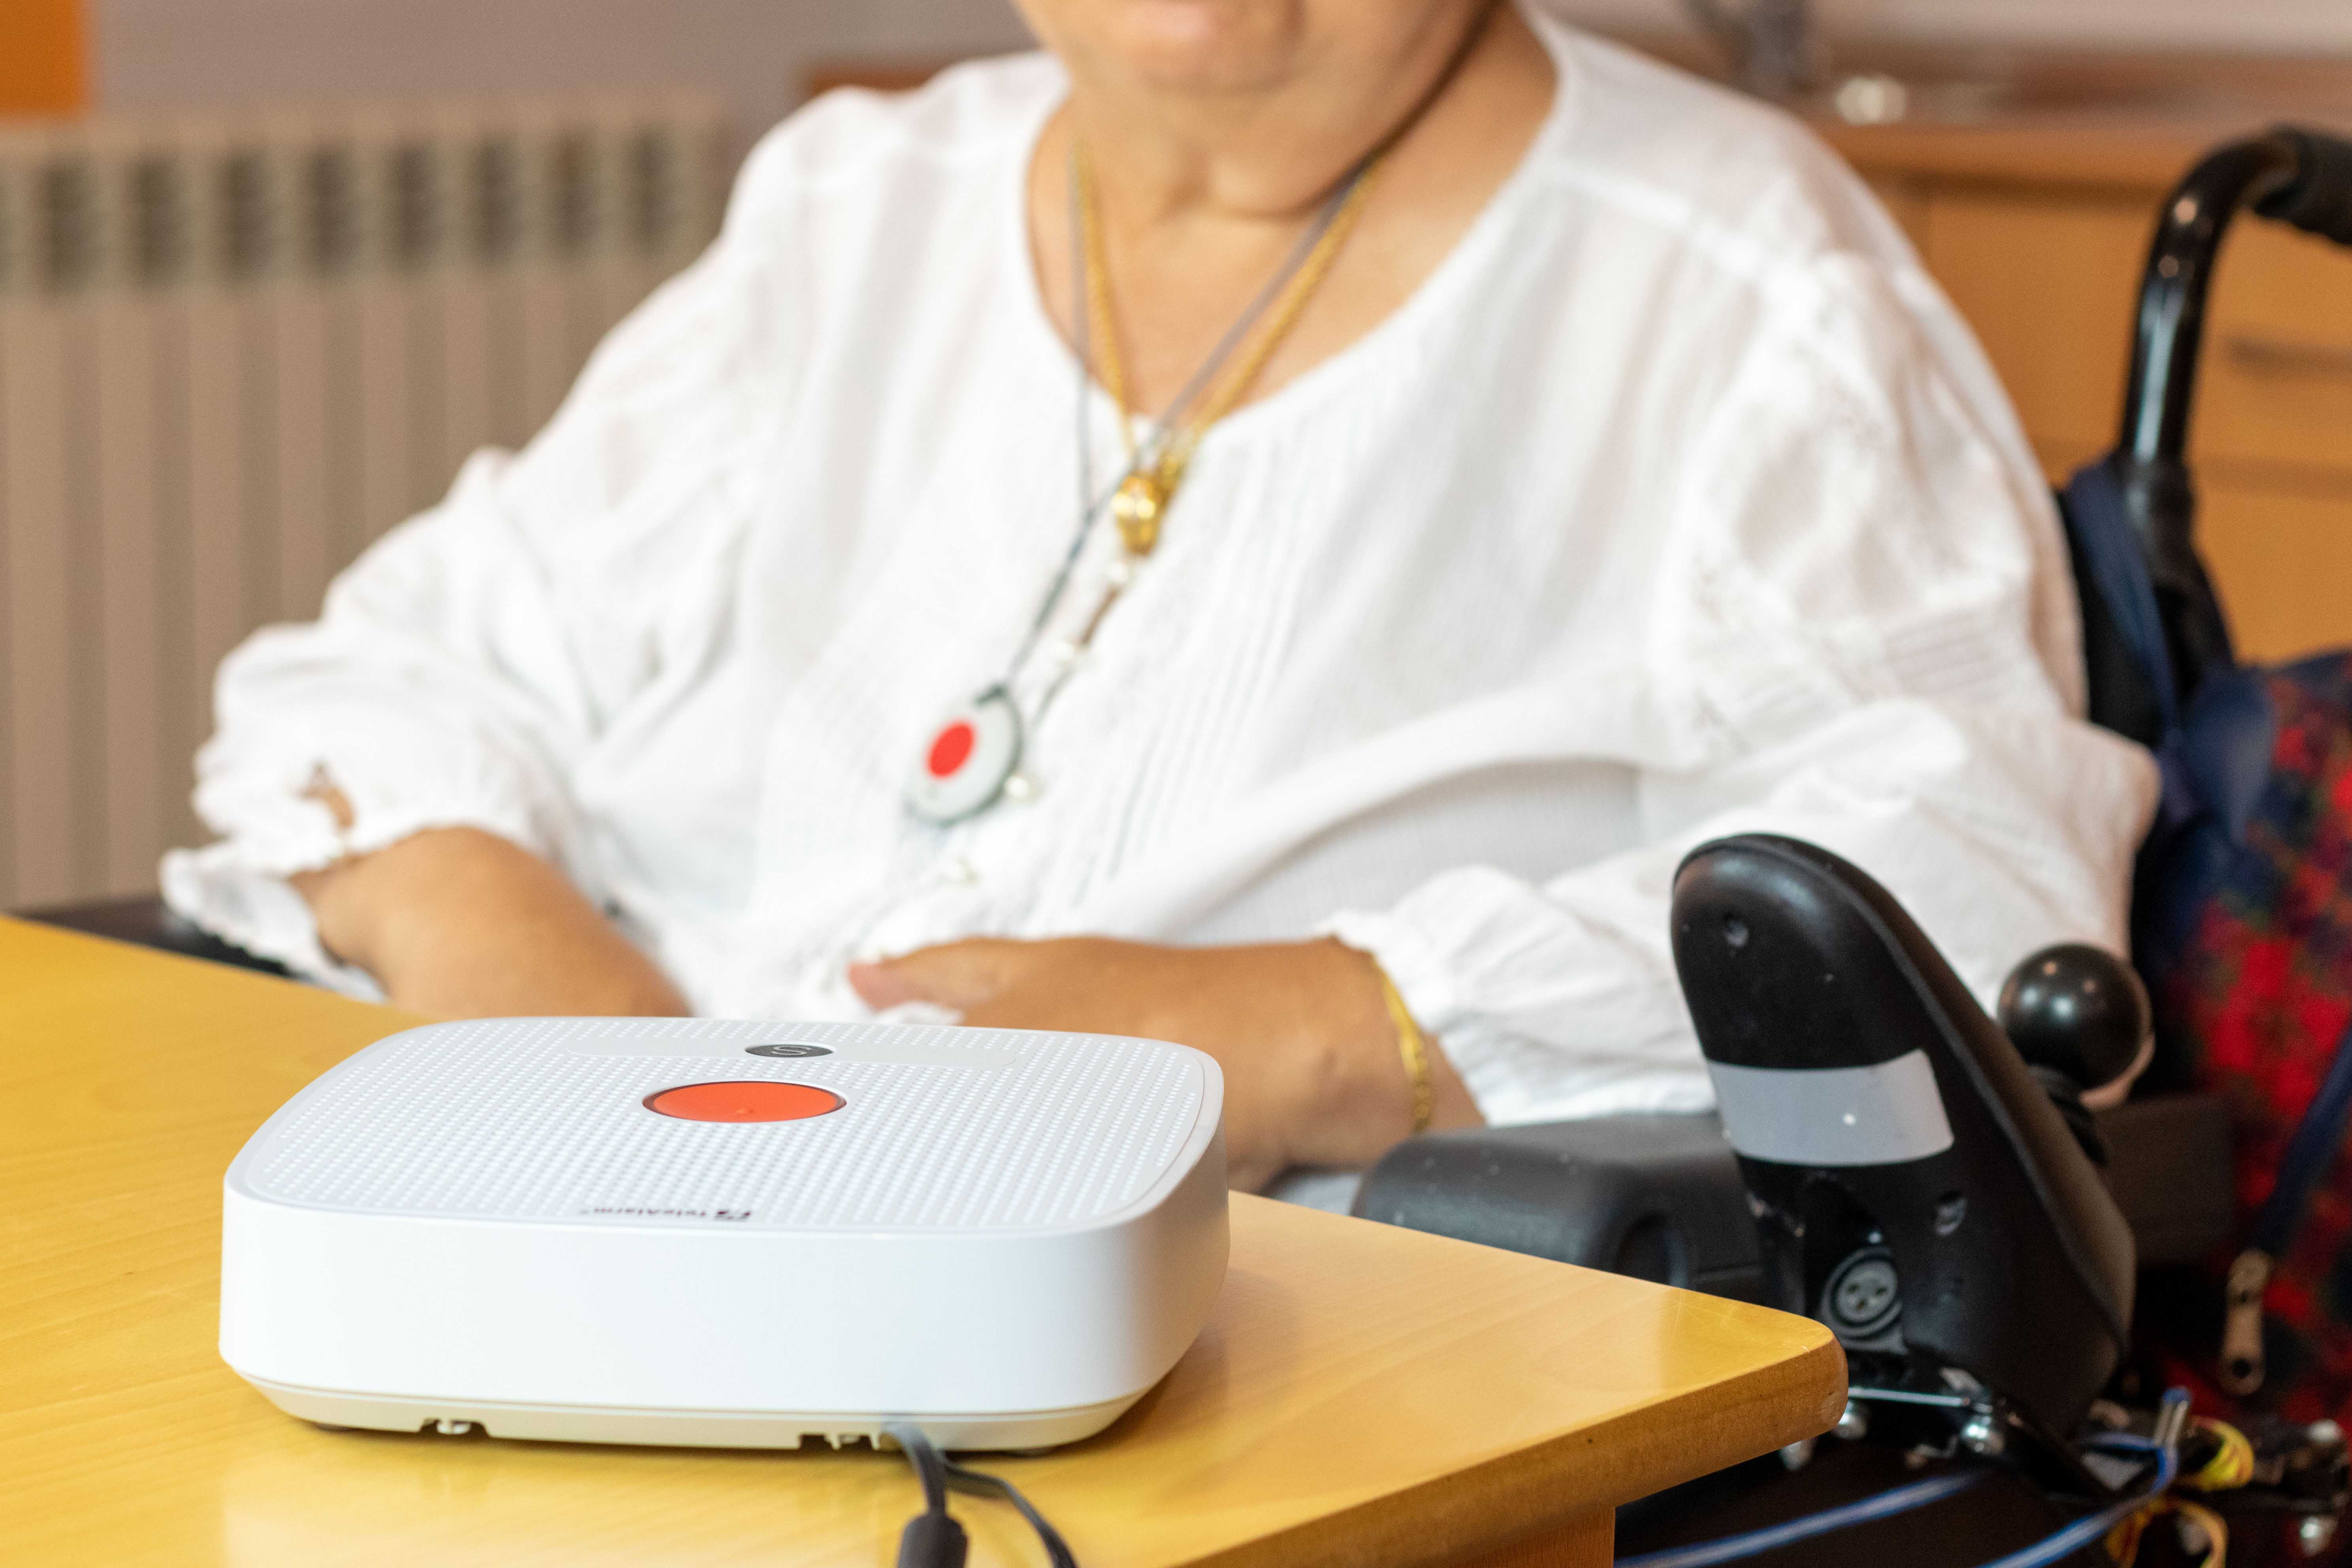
[[544, 1118]]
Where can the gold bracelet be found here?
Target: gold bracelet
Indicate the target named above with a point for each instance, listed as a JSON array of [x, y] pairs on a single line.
[[1414, 1048]]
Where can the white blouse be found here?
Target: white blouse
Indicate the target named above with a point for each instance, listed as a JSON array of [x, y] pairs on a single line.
[[1677, 502]]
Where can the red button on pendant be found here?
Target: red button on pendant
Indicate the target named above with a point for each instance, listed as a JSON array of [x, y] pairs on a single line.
[[951, 749], [964, 764], [744, 1100]]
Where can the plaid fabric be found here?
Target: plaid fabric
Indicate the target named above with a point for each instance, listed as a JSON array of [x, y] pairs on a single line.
[[2250, 958]]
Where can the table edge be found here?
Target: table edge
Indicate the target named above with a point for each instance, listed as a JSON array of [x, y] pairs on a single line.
[[1485, 1507]]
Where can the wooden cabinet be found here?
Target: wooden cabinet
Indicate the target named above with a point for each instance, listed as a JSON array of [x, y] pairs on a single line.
[[2041, 246], [2277, 391], [2048, 283], [2283, 557]]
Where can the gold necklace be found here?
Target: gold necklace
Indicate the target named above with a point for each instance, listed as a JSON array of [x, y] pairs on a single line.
[[974, 757], [1141, 503]]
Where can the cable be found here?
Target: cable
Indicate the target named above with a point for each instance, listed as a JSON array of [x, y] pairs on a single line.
[[2061, 1544], [2232, 1464], [2123, 1541], [2057, 1546], [1902, 1500], [933, 1539], [2171, 1418], [1057, 1551]]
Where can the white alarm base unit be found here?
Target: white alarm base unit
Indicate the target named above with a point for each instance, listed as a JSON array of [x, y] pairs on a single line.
[[717, 1233]]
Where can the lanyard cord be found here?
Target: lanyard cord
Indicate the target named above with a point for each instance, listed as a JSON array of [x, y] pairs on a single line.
[[1092, 303], [1092, 503]]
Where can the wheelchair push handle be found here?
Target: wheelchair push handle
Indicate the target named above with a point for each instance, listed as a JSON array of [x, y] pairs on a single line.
[[2290, 175], [2318, 196]]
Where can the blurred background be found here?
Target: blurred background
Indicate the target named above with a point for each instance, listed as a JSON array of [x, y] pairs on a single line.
[[270, 268]]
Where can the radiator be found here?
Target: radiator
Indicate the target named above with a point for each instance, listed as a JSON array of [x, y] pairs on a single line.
[[234, 351]]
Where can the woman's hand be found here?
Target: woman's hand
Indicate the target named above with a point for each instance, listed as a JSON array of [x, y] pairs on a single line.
[[1313, 1075], [457, 924]]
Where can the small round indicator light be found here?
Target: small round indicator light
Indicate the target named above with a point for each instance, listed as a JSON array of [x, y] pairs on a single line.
[[744, 1100]]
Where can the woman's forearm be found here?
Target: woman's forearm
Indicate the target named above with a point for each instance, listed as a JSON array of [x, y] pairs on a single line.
[[457, 923]]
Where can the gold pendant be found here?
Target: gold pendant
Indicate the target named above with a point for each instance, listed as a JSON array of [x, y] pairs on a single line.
[[1136, 507]]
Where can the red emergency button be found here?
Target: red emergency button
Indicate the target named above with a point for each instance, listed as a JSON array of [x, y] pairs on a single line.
[[744, 1100], [951, 748]]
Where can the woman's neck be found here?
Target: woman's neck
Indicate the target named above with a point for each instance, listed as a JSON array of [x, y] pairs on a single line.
[[1206, 180], [1269, 140]]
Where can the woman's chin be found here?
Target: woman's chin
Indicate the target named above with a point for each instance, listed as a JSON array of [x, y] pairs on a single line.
[[1207, 45]]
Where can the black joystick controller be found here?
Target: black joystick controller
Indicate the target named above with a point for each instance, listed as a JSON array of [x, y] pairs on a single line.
[[2079, 1016], [2078, 1010]]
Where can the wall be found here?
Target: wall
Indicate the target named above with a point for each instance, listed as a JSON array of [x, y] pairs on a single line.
[[2245, 26], [153, 52], [758, 52]]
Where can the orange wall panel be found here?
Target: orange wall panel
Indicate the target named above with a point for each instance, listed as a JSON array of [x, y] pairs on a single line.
[[42, 59]]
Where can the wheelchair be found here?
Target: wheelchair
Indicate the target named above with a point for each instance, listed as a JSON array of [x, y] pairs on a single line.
[[1926, 1182]]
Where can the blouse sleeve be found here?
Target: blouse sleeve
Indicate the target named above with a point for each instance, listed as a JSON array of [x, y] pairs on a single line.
[[462, 665], [1865, 638]]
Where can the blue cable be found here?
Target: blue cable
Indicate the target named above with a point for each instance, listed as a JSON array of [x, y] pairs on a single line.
[[1901, 1499], [2050, 1549], [2083, 1531], [2310, 1149]]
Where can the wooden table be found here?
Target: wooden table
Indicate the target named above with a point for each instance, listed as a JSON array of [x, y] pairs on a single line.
[[1363, 1395]]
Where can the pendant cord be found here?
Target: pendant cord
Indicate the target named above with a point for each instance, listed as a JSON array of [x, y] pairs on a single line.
[[1170, 450], [1310, 256], [1286, 294], [1139, 498], [1091, 502]]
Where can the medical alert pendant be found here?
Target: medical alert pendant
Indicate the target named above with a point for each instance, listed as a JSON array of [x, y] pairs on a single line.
[[967, 759]]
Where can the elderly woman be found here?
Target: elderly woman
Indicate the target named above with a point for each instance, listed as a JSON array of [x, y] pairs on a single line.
[[1271, 525]]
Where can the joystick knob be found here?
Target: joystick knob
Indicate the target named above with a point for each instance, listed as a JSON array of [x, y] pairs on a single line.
[[2080, 1011]]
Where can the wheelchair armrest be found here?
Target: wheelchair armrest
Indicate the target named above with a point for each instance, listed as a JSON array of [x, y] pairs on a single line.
[[147, 922], [1659, 1197]]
